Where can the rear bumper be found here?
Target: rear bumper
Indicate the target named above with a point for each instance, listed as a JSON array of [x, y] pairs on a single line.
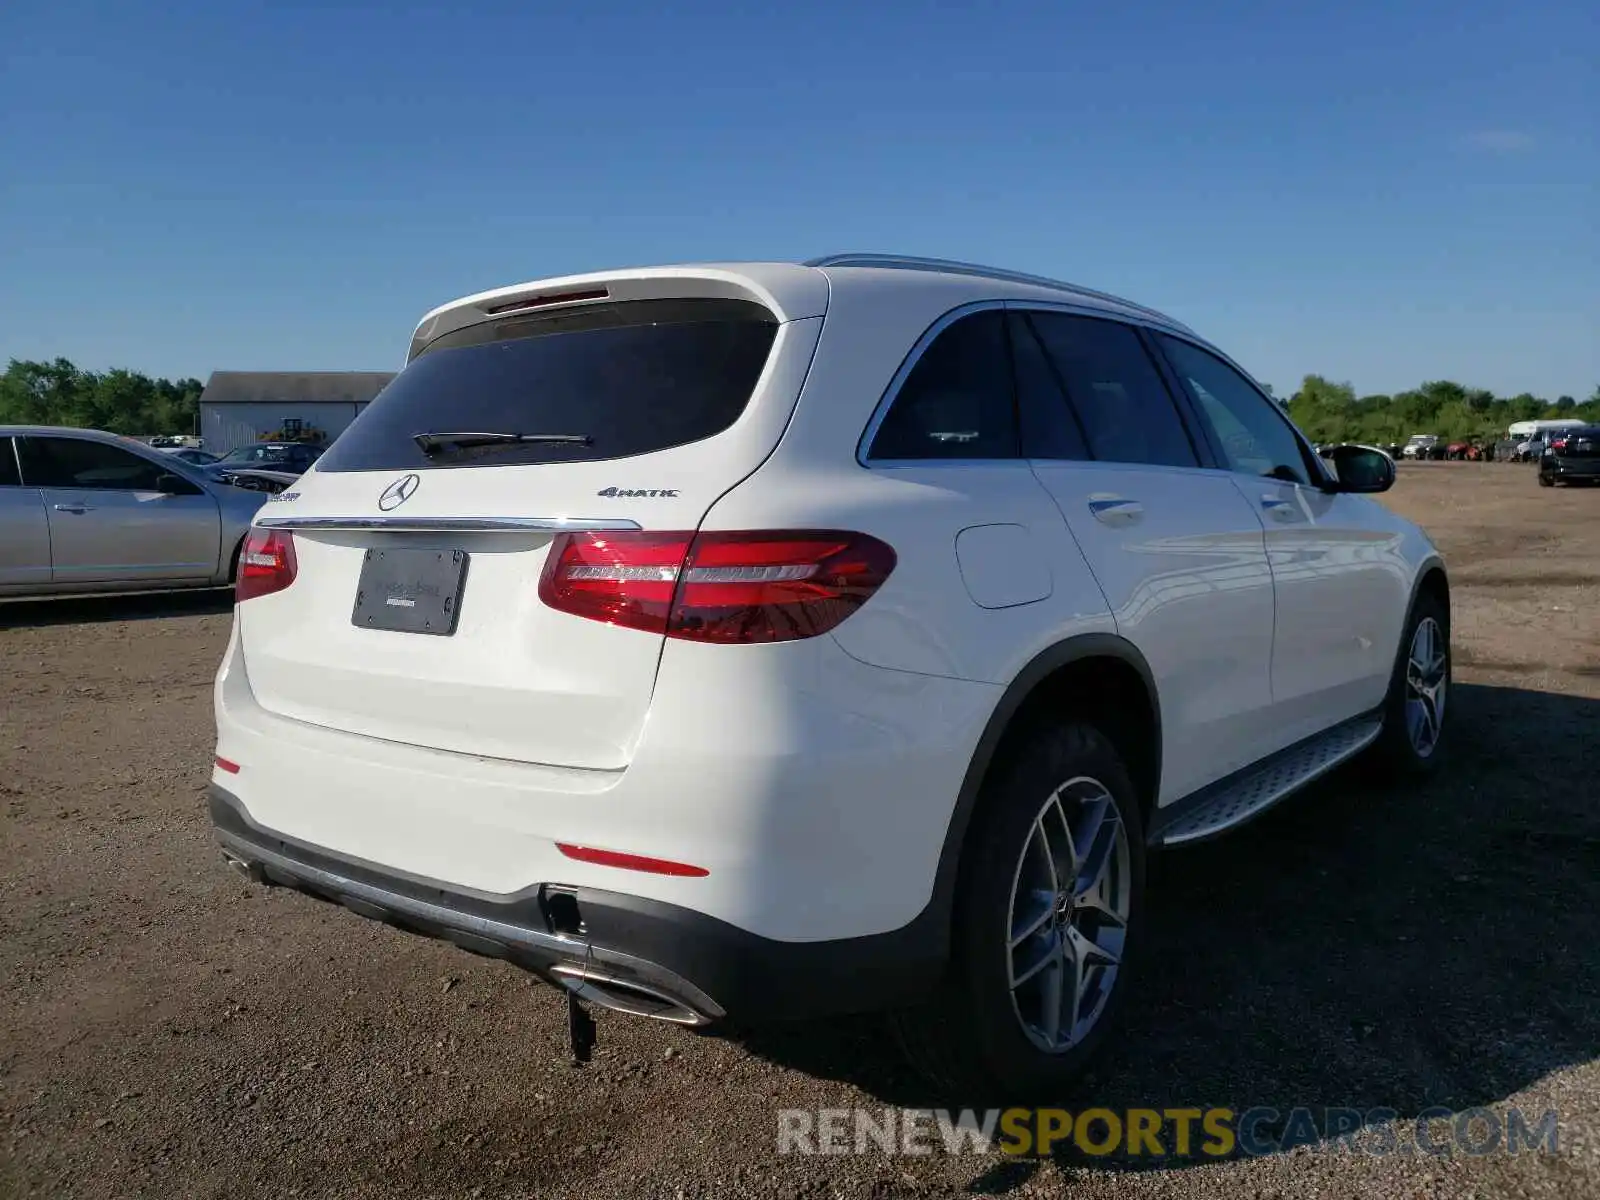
[[814, 792], [623, 952]]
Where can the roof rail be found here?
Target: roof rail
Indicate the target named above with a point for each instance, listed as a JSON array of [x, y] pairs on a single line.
[[906, 262]]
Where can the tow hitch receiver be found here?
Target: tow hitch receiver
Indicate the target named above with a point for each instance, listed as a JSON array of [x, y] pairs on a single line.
[[580, 1029]]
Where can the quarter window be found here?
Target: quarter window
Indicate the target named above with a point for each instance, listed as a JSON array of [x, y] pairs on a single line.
[[957, 402], [1256, 439], [1124, 408]]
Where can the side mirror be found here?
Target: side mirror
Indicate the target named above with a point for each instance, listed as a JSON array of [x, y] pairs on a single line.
[[170, 485], [1360, 469]]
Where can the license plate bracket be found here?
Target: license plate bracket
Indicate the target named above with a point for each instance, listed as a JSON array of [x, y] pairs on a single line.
[[410, 591]]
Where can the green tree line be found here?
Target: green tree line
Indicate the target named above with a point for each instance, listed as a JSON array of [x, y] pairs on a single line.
[[118, 401], [122, 401], [1331, 412]]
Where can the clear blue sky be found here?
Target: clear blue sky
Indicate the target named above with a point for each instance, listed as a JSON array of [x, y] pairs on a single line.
[[1381, 192]]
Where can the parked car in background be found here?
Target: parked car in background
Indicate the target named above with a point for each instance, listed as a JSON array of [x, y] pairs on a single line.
[[259, 479], [1530, 449], [1571, 457], [982, 570], [292, 457], [1536, 435], [1420, 446], [192, 456], [84, 511]]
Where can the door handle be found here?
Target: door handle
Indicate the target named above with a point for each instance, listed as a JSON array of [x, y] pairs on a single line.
[[1114, 510], [74, 508]]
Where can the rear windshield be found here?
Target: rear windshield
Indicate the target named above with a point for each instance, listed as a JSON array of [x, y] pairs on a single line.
[[631, 377]]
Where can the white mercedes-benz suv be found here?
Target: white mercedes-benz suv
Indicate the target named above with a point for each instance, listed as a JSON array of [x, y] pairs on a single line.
[[767, 640]]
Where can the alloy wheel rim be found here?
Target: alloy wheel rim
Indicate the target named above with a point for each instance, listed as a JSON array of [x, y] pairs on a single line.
[[1067, 924], [1427, 680]]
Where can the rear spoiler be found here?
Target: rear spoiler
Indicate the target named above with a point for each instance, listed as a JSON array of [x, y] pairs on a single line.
[[790, 291]]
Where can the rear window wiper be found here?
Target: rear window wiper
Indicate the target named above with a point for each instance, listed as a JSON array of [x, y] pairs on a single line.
[[433, 443]]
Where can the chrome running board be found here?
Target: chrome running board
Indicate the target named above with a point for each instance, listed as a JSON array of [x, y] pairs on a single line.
[[1239, 798]]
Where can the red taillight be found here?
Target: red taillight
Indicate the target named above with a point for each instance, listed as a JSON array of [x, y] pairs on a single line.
[[266, 563], [716, 587], [620, 578], [775, 587], [631, 862]]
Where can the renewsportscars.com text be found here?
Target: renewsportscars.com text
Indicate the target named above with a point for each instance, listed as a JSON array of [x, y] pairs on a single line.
[[1203, 1133]]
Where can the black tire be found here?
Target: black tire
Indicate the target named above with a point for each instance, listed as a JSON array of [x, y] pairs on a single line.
[[968, 1039], [1396, 753], [1545, 480]]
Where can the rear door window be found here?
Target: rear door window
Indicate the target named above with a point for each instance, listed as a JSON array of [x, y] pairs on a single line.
[[1050, 429], [1123, 406], [957, 402], [9, 477], [623, 379]]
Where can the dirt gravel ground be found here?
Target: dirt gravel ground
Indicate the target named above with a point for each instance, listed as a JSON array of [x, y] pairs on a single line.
[[171, 1030]]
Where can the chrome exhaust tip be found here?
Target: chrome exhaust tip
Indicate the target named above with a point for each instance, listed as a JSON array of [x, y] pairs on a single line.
[[250, 872], [626, 995]]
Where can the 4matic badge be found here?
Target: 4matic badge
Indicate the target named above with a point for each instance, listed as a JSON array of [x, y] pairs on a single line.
[[653, 493]]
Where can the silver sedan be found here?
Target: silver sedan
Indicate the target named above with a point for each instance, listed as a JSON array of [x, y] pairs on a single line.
[[85, 511]]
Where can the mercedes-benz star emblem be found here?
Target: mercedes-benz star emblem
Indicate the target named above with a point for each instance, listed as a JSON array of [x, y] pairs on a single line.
[[398, 492]]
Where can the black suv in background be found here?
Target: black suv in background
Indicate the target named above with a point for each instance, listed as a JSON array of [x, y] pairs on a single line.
[[293, 457], [1571, 456]]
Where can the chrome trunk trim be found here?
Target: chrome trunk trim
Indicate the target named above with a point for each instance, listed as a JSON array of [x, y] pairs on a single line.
[[454, 524]]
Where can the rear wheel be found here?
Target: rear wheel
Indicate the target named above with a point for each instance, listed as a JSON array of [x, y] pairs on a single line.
[[1412, 742], [1048, 906], [1545, 480]]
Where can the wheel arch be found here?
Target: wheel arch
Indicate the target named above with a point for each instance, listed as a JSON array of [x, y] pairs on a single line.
[[1431, 580], [1050, 684]]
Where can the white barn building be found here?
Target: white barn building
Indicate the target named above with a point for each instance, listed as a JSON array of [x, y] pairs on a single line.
[[239, 408]]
